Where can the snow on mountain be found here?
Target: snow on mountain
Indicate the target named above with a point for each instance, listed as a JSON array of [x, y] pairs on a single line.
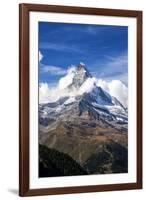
[[80, 96], [77, 81], [69, 101]]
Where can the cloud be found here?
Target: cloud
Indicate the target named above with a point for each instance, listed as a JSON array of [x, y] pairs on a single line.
[[53, 70], [112, 68], [43, 93], [116, 88], [50, 94], [40, 56], [119, 60], [87, 86], [59, 47], [67, 80]]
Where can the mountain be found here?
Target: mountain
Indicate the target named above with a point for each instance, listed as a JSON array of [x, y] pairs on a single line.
[[96, 104], [81, 74], [84, 121]]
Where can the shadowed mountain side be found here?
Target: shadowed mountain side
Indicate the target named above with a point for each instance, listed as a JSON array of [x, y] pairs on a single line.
[[113, 158], [54, 163]]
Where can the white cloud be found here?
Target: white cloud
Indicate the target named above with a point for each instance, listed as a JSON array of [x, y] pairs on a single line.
[[104, 84], [54, 70], [113, 68], [43, 92], [87, 86], [120, 61], [40, 56], [67, 80], [47, 94], [120, 91], [60, 47], [116, 88]]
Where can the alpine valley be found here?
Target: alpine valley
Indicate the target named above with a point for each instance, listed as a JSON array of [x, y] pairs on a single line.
[[83, 131]]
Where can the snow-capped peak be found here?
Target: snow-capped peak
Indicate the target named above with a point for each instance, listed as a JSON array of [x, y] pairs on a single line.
[[75, 77], [81, 74], [81, 63], [79, 93], [79, 82]]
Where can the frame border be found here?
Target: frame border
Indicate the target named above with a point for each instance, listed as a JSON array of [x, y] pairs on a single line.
[[24, 10]]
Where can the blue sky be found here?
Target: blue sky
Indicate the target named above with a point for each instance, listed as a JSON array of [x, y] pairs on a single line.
[[102, 48]]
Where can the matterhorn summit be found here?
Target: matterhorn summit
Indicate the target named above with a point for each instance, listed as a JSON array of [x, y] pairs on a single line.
[[81, 75]]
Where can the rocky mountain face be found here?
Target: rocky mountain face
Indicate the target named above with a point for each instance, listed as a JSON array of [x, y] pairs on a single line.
[[89, 126]]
